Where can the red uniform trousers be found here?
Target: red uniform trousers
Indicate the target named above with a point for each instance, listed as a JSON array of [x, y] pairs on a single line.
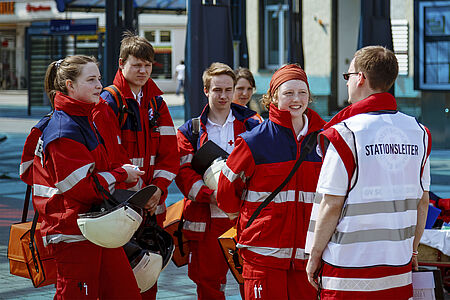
[[88, 271], [207, 266], [151, 293], [271, 284]]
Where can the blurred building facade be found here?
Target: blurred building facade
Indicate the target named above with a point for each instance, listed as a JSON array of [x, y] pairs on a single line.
[[165, 32]]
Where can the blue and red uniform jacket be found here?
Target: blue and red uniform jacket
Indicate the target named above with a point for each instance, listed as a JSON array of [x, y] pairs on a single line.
[[196, 193], [259, 163], [151, 147], [69, 154], [26, 162]]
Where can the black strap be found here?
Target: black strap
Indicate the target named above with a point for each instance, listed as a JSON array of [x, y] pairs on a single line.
[[309, 145], [178, 233], [106, 195], [156, 114], [26, 204], [195, 132], [31, 244]]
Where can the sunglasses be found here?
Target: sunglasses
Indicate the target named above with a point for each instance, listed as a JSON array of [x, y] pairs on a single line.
[[347, 75]]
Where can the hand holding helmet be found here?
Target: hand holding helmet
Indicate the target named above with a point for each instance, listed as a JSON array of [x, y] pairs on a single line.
[[153, 201]]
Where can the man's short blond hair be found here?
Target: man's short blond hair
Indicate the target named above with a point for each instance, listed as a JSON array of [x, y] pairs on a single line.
[[216, 69]]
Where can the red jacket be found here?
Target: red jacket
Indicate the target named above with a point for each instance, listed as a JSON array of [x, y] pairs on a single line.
[[26, 163], [197, 195], [70, 153], [152, 148], [260, 162]]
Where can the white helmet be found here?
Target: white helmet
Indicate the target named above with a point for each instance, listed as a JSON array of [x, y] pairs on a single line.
[[110, 228], [113, 223], [146, 264], [149, 252], [212, 174]]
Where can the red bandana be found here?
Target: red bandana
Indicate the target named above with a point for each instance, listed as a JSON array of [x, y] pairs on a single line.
[[286, 73]]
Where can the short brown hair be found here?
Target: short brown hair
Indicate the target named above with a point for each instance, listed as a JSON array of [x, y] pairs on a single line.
[[246, 74], [378, 64], [216, 69], [59, 71], [136, 46]]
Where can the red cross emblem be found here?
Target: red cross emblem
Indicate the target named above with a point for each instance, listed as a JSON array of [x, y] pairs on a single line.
[[230, 143]]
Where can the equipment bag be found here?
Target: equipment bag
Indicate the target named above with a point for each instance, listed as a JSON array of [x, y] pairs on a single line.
[[26, 252], [228, 240], [174, 226]]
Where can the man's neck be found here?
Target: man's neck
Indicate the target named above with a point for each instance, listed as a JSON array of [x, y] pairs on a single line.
[[136, 89], [218, 117]]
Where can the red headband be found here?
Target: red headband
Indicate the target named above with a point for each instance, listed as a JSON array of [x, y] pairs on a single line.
[[286, 73]]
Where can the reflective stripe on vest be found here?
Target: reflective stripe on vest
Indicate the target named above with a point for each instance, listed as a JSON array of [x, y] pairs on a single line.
[[366, 284]]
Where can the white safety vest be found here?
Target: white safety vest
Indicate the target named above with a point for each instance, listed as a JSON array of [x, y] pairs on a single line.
[[379, 216]]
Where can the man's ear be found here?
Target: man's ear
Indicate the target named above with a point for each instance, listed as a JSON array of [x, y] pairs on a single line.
[[121, 63], [205, 90], [361, 78]]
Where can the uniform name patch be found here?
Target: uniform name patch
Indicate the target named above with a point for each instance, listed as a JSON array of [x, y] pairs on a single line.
[[399, 149]]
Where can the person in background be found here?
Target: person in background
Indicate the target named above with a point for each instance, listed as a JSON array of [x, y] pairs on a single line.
[[367, 223], [147, 134], [70, 156], [179, 71], [272, 247], [221, 122], [244, 89]]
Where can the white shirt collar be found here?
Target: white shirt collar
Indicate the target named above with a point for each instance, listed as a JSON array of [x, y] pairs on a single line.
[[139, 96], [230, 119], [304, 130]]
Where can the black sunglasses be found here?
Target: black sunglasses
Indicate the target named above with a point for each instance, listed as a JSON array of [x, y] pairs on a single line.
[[347, 75]]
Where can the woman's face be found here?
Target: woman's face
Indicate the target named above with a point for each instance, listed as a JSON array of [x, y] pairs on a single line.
[[243, 92], [87, 86], [293, 95]]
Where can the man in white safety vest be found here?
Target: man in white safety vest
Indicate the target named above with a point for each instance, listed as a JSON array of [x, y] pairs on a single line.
[[370, 213]]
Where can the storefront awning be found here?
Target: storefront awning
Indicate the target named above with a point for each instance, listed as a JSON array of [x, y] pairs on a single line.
[[174, 6]]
